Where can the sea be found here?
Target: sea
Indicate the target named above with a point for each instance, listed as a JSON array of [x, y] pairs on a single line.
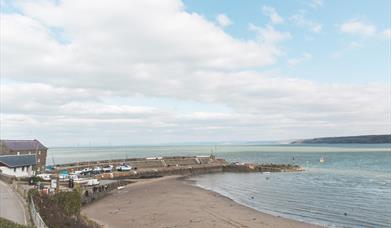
[[350, 188]]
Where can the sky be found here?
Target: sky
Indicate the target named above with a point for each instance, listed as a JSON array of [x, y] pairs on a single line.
[[80, 72]]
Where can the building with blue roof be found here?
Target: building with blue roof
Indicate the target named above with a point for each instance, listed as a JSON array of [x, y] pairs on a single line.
[[18, 165], [15, 147]]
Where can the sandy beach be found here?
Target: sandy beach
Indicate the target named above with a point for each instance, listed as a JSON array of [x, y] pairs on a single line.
[[171, 202]]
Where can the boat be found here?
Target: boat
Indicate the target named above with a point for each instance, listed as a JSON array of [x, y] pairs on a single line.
[[63, 174], [81, 180], [92, 182], [86, 171], [108, 169], [321, 160], [97, 170]]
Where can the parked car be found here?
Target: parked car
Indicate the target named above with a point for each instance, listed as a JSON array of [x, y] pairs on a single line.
[[108, 169], [125, 167]]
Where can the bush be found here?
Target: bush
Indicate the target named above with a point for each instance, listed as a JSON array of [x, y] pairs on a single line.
[[31, 193], [69, 202], [5, 223], [61, 210], [36, 179]]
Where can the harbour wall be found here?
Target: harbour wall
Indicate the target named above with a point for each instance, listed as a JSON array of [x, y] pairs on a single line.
[[148, 163], [165, 166]]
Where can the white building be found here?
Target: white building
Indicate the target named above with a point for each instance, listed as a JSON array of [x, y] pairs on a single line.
[[17, 165]]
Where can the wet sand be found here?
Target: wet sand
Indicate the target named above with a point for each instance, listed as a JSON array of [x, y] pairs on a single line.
[[170, 202]]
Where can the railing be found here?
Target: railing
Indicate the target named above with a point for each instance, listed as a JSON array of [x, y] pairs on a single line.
[[37, 220]]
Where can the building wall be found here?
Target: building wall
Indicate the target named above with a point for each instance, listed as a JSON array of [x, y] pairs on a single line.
[[41, 160], [4, 150], [27, 171]]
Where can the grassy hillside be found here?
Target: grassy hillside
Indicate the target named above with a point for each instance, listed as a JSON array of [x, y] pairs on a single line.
[[370, 139]]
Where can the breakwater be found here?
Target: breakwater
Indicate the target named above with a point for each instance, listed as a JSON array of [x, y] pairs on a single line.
[[177, 165]]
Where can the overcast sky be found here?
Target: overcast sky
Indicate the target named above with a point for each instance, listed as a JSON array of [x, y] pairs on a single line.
[[113, 72]]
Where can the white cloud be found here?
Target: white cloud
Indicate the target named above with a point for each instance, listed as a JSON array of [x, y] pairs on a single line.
[[74, 92], [186, 39], [355, 26], [223, 20], [260, 104], [269, 35], [359, 27], [272, 14], [301, 59], [300, 20]]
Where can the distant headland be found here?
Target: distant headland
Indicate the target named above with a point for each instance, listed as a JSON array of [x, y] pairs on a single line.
[[362, 139]]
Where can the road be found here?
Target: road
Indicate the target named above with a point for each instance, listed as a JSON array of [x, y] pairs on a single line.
[[11, 206]]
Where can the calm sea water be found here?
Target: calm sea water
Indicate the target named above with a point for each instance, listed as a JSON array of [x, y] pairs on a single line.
[[352, 188]]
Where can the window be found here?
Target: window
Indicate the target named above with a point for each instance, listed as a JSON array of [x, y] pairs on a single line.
[[22, 168], [14, 170], [39, 160], [39, 152]]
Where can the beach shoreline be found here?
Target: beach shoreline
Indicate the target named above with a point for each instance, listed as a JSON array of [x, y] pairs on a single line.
[[173, 201]]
